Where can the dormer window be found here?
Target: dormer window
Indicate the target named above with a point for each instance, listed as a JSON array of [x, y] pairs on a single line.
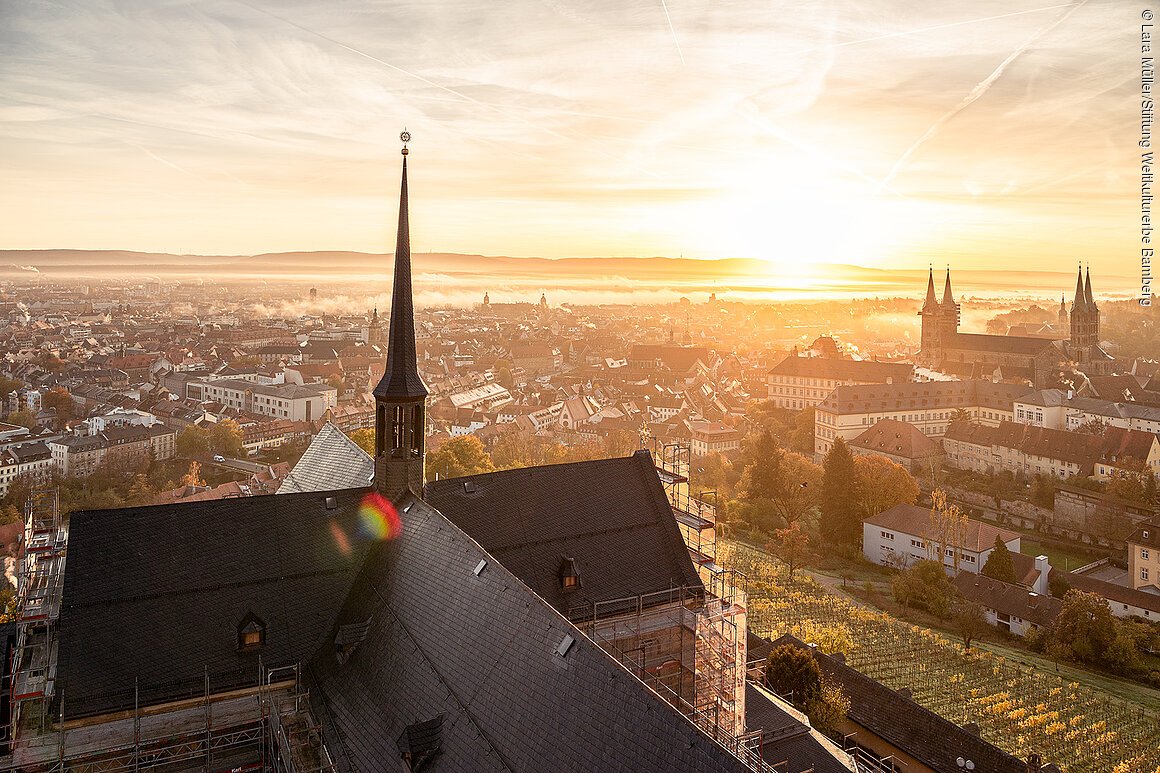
[[569, 574], [251, 633]]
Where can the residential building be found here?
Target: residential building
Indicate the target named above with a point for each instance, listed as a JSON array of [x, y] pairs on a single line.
[[1043, 408], [1144, 557], [297, 402], [712, 437], [29, 461], [803, 382], [904, 534], [1007, 606], [1086, 410]]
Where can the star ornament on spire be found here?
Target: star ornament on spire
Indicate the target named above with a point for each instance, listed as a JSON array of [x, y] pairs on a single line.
[[405, 137]]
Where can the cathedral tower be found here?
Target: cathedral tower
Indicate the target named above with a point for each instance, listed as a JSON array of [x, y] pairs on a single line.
[[1085, 315], [931, 340], [400, 395]]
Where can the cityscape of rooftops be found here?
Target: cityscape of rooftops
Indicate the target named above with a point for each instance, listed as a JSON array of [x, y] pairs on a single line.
[[584, 386]]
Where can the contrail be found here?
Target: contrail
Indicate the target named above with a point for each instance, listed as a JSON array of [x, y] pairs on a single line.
[[979, 90], [673, 31], [948, 25]]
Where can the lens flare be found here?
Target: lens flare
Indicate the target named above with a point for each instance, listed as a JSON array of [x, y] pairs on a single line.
[[377, 518]]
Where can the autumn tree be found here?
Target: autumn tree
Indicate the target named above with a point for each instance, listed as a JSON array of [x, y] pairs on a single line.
[[882, 484], [457, 457], [841, 518], [1083, 630], [364, 439], [969, 620], [60, 401], [792, 546], [924, 586], [22, 418], [192, 442], [949, 528], [226, 438], [193, 476], [960, 419], [141, 491], [1000, 565]]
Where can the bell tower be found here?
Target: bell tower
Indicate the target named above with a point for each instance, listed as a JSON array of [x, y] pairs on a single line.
[[400, 422]]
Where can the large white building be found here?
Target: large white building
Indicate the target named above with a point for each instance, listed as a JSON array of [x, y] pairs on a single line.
[[803, 382], [904, 534], [297, 402], [849, 410]]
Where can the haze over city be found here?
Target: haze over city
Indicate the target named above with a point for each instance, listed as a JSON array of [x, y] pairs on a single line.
[[880, 134]]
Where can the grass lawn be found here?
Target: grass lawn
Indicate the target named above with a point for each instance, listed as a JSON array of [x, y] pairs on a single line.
[[1060, 558]]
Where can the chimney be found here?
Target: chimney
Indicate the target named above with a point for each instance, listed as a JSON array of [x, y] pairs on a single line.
[[904, 692], [1033, 600], [1044, 567]]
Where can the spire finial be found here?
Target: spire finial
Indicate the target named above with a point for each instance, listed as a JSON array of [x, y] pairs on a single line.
[[405, 137]]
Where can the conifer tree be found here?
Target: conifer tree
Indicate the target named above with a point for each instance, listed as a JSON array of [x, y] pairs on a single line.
[[999, 564], [841, 516]]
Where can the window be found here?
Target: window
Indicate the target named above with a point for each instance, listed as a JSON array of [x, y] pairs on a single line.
[[887, 535], [251, 633], [1144, 553], [1144, 573]]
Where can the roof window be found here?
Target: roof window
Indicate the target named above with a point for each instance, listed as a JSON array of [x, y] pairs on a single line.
[[251, 633], [569, 574]]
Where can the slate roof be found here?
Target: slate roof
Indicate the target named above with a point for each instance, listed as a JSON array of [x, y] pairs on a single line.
[[157, 593], [1152, 529], [1120, 594], [787, 739], [933, 740], [981, 342], [481, 650], [896, 438], [861, 398], [844, 370], [1008, 598], [611, 515], [332, 461], [915, 520]]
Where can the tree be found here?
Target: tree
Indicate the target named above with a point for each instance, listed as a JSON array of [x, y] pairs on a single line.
[[9, 385], [960, 419], [226, 438], [364, 439], [503, 377], [882, 484], [829, 707], [762, 475], [1057, 584], [1000, 565], [1043, 491], [337, 382], [792, 546], [969, 620], [841, 520], [949, 524], [22, 418], [192, 442], [924, 586], [141, 491], [793, 672], [60, 401], [457, 457], [193, 476], [1083, 630]]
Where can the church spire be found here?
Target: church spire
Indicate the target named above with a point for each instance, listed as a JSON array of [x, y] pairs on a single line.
[[400, 425], [1079, 301], [948, 299], [931, 299], [1087, 288], [401, 378]]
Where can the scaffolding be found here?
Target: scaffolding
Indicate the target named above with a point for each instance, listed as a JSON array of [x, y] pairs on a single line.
[[265, 728], [696, 515], [42, 553]]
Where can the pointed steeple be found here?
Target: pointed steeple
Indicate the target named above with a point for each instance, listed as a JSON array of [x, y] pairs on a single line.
[[948, 299], [400, 424], [1079, 302], [401, 378], [1087, 288], [931, 299]]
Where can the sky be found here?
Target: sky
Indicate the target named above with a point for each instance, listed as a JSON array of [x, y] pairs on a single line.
[[881, 133]]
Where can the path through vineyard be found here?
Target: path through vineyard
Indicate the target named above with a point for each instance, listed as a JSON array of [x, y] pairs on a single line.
[[1019, 709]]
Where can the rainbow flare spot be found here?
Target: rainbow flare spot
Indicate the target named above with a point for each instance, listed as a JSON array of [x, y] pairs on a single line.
[[377, 518]]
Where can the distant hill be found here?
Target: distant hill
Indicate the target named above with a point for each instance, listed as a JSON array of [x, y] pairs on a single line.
[[346, 266]]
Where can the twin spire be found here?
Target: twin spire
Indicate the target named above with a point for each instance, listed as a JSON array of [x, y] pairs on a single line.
[[931, 305], [1083, 290]]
